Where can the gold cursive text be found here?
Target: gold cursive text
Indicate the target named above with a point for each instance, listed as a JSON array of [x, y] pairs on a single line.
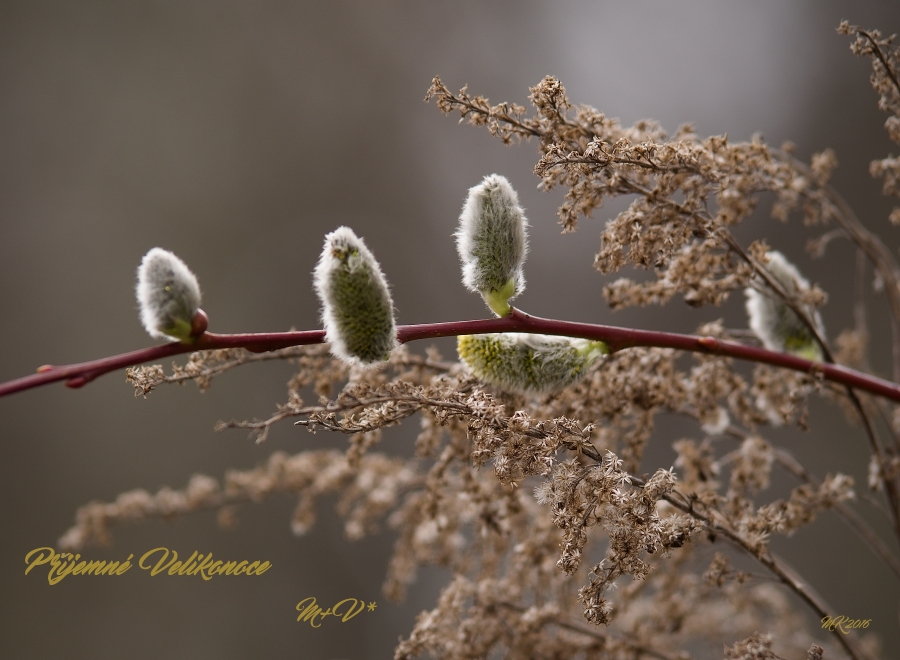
[[63, 564], [844, 623], [197, 564], [345, 610], [156, 561]]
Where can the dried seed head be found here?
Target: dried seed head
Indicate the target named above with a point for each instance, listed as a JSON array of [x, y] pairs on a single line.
[[169, 297], [492, 242], [777, 325], [357, 310], [522, 363]]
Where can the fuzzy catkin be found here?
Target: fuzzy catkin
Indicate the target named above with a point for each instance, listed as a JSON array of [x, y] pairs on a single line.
[[492, 242], [519, 362], [168, 295], [777, 325], [357, 309]]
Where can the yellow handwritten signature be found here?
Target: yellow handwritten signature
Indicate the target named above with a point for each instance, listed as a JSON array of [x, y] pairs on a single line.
[[345, 609], [843, 623], [65, 564]]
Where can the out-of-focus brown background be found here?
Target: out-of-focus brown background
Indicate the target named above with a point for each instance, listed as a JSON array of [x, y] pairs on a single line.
[[237, 134]]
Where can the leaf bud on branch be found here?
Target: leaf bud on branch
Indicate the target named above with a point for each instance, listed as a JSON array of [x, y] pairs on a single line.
[[169, 298]]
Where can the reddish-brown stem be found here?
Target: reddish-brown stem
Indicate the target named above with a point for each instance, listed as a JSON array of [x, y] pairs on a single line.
[[78, 375], [616, 338]]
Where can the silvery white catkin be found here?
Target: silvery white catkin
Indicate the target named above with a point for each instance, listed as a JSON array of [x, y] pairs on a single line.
[[168, 295], [518, 362], [357, 310], [492, 242], [777, 325]]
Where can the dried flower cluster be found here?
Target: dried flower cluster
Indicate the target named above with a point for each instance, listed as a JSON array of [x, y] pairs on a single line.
[[885, 64], [529, 481]]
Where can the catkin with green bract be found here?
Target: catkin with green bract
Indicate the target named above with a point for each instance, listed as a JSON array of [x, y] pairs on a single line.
[[492, 242], [774, 322]]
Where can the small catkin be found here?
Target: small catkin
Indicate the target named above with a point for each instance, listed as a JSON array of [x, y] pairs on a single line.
[[523, 363], [357, 310], [492, 242], [168, 295], [777, 325]]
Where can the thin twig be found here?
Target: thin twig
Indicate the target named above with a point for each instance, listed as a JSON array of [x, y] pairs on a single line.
[[781, 569], [782, 293], [792, 465], [881, 257], [638, 649], [876, 47], [787, 460], [144, 383], [890, 486]]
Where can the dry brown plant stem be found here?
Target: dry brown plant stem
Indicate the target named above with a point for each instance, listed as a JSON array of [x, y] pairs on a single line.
[[639, 649], [876, 48], [877, 252], [714, 522], [781, 569], [874, 442], [853, 519]]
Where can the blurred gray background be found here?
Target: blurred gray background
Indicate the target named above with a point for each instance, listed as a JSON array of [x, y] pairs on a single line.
[[237, 134]]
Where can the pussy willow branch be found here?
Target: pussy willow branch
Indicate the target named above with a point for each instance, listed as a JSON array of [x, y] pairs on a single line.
[[77, 375]]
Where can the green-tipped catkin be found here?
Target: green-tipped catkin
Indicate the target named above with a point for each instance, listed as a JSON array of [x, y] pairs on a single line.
[[777, 325], [492, 242], [357, 310], [522, 363], [169, 297]]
